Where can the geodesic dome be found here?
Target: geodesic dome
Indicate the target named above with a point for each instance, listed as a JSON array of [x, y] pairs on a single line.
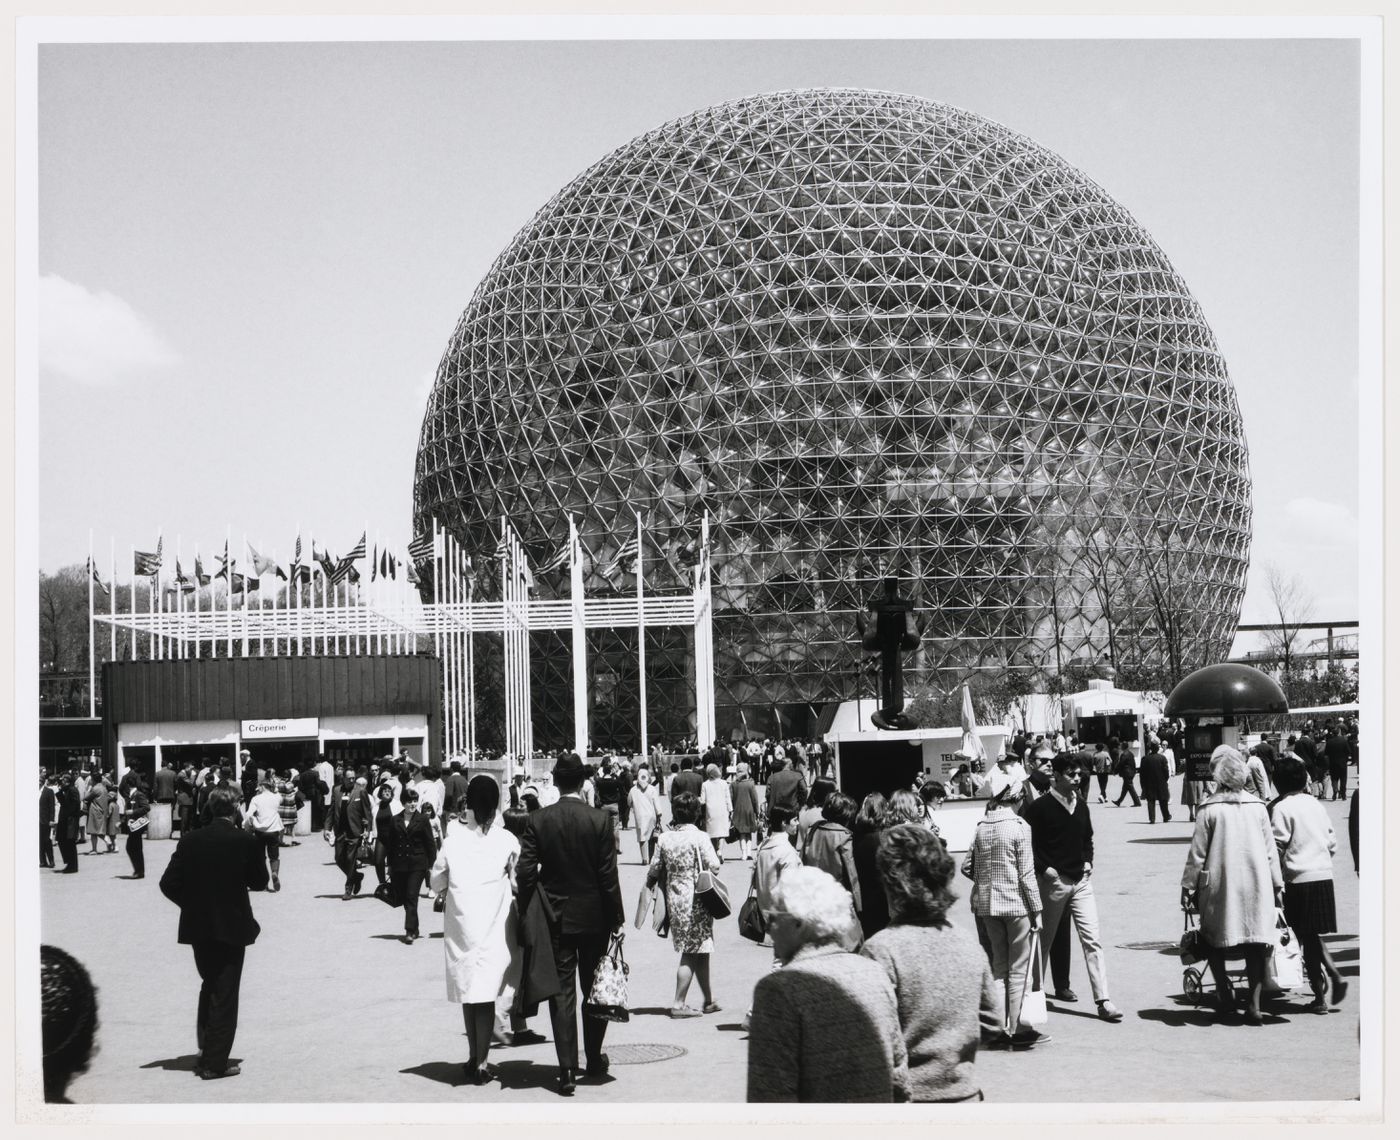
[[865, 332]]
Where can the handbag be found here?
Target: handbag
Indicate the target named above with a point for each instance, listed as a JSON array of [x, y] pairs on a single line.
[[365, 852], [712, 895], [1191, 950], [607, 996], [1284, 969], [1033, 1009], [752, 924]]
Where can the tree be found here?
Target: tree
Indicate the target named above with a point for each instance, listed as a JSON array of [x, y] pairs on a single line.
[[63, 620], [1292, 605]]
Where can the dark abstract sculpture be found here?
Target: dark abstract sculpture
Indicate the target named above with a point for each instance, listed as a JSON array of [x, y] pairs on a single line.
[[890, 628]]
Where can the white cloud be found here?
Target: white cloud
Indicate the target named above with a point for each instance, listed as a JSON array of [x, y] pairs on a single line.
[[95, 338], [1318, 523]]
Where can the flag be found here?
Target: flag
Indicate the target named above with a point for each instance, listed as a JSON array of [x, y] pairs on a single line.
[[200, 577], [300, 574], [241, 583], [97, 581], [971, 742], [421, 547], [263, 565], [421, 576], [326, 561], [374, 564], [182, 579], [559, 562], [625, 559], [145, 564], [469, 573], [388, 565], [222, 571], [502, 548], [345, 568]]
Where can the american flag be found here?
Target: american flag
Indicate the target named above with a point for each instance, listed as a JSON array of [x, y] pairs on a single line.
[[625, 559], [558, 562], [421, 547], [148, 564], [92, 567]]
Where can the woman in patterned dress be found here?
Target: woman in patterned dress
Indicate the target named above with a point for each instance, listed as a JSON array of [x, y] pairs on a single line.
[[682, 853]]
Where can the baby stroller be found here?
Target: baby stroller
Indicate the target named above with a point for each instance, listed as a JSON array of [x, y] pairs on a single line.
[[1283, 971]]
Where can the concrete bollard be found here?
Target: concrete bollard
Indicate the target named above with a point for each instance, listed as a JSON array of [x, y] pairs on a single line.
[[159, 827]]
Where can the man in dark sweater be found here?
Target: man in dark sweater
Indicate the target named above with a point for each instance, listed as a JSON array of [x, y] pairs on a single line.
[[1062, 841], [688, 780]]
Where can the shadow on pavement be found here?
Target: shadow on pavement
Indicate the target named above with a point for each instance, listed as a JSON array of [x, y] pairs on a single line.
[[732, 1027], [1164, 839], [1055, 1007], [444, 1072], [185, 1064], [652, 1011]]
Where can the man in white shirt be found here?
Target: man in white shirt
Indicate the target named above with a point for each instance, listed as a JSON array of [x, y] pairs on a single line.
[[264, 819], [431, 790]]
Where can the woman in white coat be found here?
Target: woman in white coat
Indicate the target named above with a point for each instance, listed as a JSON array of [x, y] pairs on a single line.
[[719, 807], [476, 866], [645, 810]]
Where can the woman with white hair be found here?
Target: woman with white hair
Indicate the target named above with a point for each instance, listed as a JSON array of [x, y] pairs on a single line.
[[718, 807], [826, 1026], [1232, 876]]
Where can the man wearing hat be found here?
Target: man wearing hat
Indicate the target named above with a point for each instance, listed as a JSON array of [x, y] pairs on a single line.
[[567, 854]]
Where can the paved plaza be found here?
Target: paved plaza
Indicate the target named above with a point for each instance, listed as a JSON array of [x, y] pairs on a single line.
[[335, 1009]]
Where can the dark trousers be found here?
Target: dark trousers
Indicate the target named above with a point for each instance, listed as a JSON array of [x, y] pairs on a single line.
[[220, 969], [577, 957], [318, 813], [136, 851], [45, 846], [68, 848], [409, 884], [1128, 790], [1152, 802], [346, 847], [1059, 957], [184, 815], [1102, 778], [1339, 782]]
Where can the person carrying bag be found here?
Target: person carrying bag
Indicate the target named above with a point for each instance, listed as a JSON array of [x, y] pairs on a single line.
[[607, 996]]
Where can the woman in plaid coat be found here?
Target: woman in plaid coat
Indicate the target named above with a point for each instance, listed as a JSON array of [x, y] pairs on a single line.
[[1006, 903]]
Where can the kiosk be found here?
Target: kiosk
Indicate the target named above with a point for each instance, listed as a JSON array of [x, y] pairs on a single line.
[[1102, 711]]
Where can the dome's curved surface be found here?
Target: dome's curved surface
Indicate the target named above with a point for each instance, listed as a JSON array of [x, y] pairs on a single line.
[[861, 329]]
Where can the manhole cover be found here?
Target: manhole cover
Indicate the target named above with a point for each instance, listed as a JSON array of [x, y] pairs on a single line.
[[643, 1054], [1160, 946]]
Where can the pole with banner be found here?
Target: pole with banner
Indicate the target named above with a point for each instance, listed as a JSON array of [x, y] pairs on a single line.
[[641, 640]]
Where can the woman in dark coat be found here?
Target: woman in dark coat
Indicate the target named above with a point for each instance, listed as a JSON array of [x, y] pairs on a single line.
[[745, 817], [411, 852], [138, 810], [70, 811], [97, 802]]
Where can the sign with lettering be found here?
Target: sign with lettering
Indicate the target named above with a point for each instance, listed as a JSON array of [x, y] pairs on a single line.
[[1201, 741], [286, 728]]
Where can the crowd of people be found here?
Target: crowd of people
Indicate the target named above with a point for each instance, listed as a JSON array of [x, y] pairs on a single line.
[[872, 994]]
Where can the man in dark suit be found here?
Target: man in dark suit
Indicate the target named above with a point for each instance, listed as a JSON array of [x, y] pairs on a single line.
[[1155, 790], [48, 804], [209, 878], [163, 789], [350, 817], [567, 855], [687, 780]]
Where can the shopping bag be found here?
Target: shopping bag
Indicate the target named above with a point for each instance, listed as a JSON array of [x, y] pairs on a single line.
[[1190, 950], [1033, 1009], [644, 901], [1284, 970], [607, 996], [752, 924], [712, 895]]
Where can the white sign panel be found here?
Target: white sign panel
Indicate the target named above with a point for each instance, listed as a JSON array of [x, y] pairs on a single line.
[[287, 728]]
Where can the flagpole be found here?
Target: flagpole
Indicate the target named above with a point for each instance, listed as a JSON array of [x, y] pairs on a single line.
[[471, 664], [131, 605], [449, 648], [179, 648], [436, 612], [580, 641], [641, 640], [295, 584], [112, 597], [228, 586], [153, 607], [92, 647]]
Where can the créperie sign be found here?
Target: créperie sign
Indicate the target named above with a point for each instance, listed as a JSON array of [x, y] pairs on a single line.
[[287, 728]]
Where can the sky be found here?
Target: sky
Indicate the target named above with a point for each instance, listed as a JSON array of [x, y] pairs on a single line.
[[251, 256]]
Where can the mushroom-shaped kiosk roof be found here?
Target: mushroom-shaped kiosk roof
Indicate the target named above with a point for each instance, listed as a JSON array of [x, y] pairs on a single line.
[[1226, 690]]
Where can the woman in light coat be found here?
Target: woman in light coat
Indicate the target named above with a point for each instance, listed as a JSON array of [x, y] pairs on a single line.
[[645, 810], [719, 807], [1233, 877], [476, 867]]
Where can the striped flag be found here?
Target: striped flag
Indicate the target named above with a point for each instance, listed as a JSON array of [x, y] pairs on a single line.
[[300, 574], [421, 547], [222, 571], [559, 562], [625, 559], [147, 565], [469, 573], [345, 568], [374, 563], [97, 581], [502, 549], [388, 565], [200, 577]]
